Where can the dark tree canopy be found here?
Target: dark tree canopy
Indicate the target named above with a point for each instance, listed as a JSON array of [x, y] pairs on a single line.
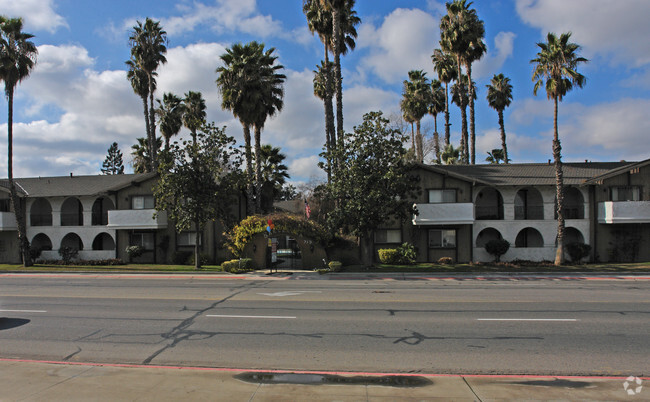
[[113, 164]]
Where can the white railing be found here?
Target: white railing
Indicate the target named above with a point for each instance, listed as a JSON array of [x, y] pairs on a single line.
[[444, 214], [137, 219], [624, 212], [8, 221]]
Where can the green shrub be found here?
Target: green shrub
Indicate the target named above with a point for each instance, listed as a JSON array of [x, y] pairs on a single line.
[[577, 251], [407, 254], [68, 254], [181, 257], [35, 253], [335, 266], [388, 255], [134, 252], [497, 248], [445, 261], [238, 266]]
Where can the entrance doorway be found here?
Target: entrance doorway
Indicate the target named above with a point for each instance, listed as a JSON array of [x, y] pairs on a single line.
[[284, 253]]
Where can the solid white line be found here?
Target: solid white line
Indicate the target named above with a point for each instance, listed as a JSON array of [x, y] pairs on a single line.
[[250, 316], [528, 319], [23, 311]]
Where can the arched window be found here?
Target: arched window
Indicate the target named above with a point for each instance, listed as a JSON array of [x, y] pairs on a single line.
[[72, 213], [572, 235], [574, 204], [100, 211], [40, 213], [486, 235], [488, 205], [529, 204], [529, 237], [41, 242], [103, 241], [73, 241]]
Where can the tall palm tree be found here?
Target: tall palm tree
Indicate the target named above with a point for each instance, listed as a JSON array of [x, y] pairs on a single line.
[[460, 96], [193, 112], [170, 116], [499, 96], [495, 156], [270, 83], [140, 84], [17, 59], [450, 155], [274, 175], [417, 97], [445, 66], [437, 105], [555, 68], [141, 158], [461, 33], [148, 47], [323, 89]]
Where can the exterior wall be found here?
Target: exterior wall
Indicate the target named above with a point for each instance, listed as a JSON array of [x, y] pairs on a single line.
[[311, 252], [509, 227], [623, 242]]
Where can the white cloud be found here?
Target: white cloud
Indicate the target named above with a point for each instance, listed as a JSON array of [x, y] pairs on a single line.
[[306, 168], [492, 62], [37, 14], [404, 41], [617, 31]]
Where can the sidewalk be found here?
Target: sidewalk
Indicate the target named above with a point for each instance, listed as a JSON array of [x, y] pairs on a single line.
[[37, 381]]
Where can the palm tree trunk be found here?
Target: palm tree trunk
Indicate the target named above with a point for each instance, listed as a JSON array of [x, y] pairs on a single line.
[[464, 140], [145, 104], [338, 78], [472, 126], [258, 168], [559, 182], [153, 151], [436, 139], [447, 134], [418, 143], [15, 200], [503, 138], [197, 243], [329, 118], [413, 140], [250, 195]]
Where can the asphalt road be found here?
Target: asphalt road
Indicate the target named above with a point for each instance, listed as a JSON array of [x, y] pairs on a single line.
[[547, 327]]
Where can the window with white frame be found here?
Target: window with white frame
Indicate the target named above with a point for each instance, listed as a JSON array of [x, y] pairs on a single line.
[[442, 238], [143, 239], [439, 196], [626, 193], [388, 236], [187, 239], [142, 202]]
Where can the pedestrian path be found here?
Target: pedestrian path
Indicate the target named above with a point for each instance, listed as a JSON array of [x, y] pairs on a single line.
[[57, 381]]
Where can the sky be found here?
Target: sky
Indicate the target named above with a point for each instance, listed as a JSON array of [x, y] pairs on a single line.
[[77, 100]]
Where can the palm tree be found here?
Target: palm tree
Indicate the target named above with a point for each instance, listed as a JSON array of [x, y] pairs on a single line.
[[193, 112], [148, 47], [323, 89], [495, 156], [556, 69], [461, 33], [450, 155], [170, 116], [499, 96], [445, 66], [270, 83], [274, 175], [460, 97], [416, 98], [17, 59], [437, 105], [140, 153], [140, 84]]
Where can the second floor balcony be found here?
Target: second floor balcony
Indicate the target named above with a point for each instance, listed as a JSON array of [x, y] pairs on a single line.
[[137, 219], [457, 213], [8, 221], [624, 212]]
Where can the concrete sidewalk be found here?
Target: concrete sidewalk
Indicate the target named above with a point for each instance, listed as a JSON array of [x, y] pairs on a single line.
[[38, 381]]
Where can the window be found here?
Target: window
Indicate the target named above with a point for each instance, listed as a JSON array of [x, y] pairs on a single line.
[[142, 202], [4, 206], [442, 196], [626, 193], [442, 238], [187, 239], [144, 240], [388, 236]]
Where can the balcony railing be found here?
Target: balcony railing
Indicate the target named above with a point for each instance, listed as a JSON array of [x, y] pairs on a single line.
[[444, 214], [137, 219], [624, 212], [8, 221], [532, 212]]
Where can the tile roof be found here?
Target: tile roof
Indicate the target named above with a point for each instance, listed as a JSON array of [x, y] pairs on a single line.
[[64, 186], [521, 174]]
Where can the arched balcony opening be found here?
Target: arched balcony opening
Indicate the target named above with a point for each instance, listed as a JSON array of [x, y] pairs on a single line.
[[103, 241], [529, 237], [41, 242], [572, 235], [486, 235], [72, 213], [529, 204], [73, 241], [574, 204], [100, 211], [40, 214], [488, 205]]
